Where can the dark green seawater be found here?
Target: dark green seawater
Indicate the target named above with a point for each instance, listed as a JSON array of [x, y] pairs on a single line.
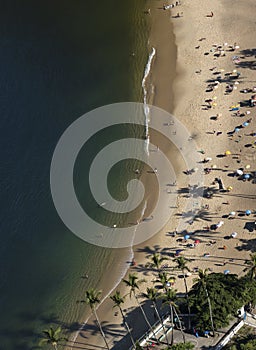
[[59, 60]]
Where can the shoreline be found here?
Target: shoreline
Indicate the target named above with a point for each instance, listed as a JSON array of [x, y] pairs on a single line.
[[198, 122], [151, 73]]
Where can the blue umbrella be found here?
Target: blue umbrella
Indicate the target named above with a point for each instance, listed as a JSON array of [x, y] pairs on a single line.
[[245, 124], [248, 212], [226, 272], [186, 237], [247, 176], [237, 129]]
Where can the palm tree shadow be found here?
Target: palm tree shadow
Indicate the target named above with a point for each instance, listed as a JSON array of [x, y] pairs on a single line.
[[247, 245]]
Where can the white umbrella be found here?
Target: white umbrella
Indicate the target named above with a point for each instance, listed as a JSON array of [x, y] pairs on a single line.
[[233, 234], [239, 172]]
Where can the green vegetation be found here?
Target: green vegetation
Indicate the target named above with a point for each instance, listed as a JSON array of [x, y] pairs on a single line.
[[181, 346], [243, 340], [214, 298], [53, 337], [92, 298], [118, 301]]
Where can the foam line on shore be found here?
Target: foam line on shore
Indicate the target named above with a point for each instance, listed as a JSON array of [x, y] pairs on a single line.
[[145, 93]]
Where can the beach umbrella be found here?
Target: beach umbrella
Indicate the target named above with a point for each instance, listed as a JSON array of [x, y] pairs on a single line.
[[237, 129], [226, 272], [178, 251], [186, 237], [233, 234], [248, 212], [232, 213], [227, 153], [247, 166], [245, 124], [239, 172], [247, 176], [197, 241], [229, 188], [214, 166]]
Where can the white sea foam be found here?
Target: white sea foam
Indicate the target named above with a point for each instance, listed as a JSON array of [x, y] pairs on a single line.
[[145, 95]]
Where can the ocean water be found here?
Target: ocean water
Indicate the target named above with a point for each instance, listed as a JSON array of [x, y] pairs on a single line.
[[59, 59]]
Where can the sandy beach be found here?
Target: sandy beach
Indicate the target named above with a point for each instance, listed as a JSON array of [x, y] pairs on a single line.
[[215, 49]]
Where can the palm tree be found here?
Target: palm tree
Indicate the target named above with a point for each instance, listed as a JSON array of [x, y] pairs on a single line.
[[164, 280], [170, 298], [182, 265], [152, 295], [156, 261], [252, 266], [133, 283], [53, 337], [202, 281], [92, 298], [118, 301]]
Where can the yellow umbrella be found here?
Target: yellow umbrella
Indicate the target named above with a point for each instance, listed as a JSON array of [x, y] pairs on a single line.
[[229, 188], [227, 153], [247, 166]]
